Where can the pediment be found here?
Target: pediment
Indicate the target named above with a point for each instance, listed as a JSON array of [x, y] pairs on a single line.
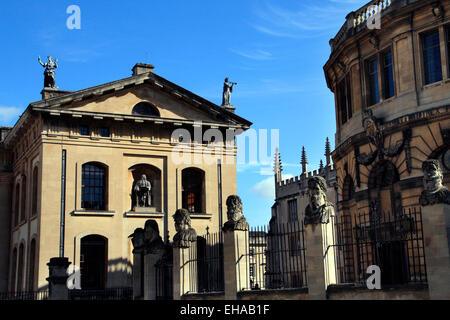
[[122, 96]]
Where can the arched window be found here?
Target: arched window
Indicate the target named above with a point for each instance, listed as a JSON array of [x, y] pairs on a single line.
[[193, 192], [145, 109], [93, 186], [35, 192], [32, 265], [17, 205], [348, 189], [14, 270], [23, 200], [20, 268]]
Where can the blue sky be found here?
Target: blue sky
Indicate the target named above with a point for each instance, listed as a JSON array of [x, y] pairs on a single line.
[[275, 50]]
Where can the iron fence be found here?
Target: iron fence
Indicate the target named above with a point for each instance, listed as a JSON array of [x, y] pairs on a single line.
[[210, 265], [104, 294], [276, 257], [164, 276], [30, 295], [395, 243]]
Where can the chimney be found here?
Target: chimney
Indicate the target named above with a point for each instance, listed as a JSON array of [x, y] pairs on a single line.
[[141, 68]]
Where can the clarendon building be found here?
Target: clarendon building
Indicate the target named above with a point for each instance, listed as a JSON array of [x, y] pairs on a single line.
[[80, 171]]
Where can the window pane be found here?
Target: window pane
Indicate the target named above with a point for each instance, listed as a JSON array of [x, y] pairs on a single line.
[[93, 187], [84, 131], [432, 57], [388, 74], [349, 98], [448, 47], [374, 90], [104, 132], [292, 204], [342, 101]]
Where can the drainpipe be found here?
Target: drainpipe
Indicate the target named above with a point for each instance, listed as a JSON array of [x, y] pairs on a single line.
[[63, 203]]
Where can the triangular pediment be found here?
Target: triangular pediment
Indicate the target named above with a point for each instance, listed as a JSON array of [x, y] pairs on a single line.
[[120, 97]]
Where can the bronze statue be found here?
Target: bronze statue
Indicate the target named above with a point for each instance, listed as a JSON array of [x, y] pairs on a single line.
[[185, 234], [49, 73], [434, 192], [236, 220], [319, 210], [142, 192], [227, 90]]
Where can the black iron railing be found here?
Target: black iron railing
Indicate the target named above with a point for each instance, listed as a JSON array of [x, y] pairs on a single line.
[[164, 276], [276, 257], [210, 263], [394, 243], [104, 294], [30, 295]]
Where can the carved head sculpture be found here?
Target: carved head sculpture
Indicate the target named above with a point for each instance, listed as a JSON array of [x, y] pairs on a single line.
[[432, 175], [226, 79], [371, 126], [185, 234], [317, 188], [151, 231], [143, 177], [137, 238], [50, 58], [182, 220], [234, 208]]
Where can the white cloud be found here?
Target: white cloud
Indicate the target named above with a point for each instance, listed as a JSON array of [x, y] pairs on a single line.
[[9, 115], [266, 188], [305, 21], [254, 55]]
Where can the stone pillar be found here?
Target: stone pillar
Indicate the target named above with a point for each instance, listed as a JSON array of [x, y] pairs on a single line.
[[319, 238], [138, 267], [137, 238], [315, 266], [184, 271], [184, 255], [436, 232], [150, 260], [236, 262], [57, 280], [235, 249]]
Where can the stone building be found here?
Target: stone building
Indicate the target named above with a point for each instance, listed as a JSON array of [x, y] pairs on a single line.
[[291, 197], [389, 70], [80, 171], [392, 94]]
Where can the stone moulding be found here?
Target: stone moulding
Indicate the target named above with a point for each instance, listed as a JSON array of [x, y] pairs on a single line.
[[93, 213]]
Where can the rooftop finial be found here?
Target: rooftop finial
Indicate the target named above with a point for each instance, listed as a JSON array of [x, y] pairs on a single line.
[[328, 152], [321, 164], [304, 161], [277, 166]]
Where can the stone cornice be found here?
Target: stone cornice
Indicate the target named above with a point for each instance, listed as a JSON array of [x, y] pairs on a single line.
[[395, 125]]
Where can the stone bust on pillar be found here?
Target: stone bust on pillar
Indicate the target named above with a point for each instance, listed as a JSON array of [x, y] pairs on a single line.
[[434, 192], [236, 220], [185, 234], [319, 210], [137, 238], [152, 239]]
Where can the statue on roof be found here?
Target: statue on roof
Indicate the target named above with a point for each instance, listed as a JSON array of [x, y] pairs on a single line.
[[49, 73], [227, 90]]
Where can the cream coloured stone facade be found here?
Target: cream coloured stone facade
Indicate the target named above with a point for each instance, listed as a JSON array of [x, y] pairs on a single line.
[[100, 127]]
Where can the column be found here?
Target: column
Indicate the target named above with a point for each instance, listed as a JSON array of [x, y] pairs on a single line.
[[236, 262], [436, 229], [57, 280]]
